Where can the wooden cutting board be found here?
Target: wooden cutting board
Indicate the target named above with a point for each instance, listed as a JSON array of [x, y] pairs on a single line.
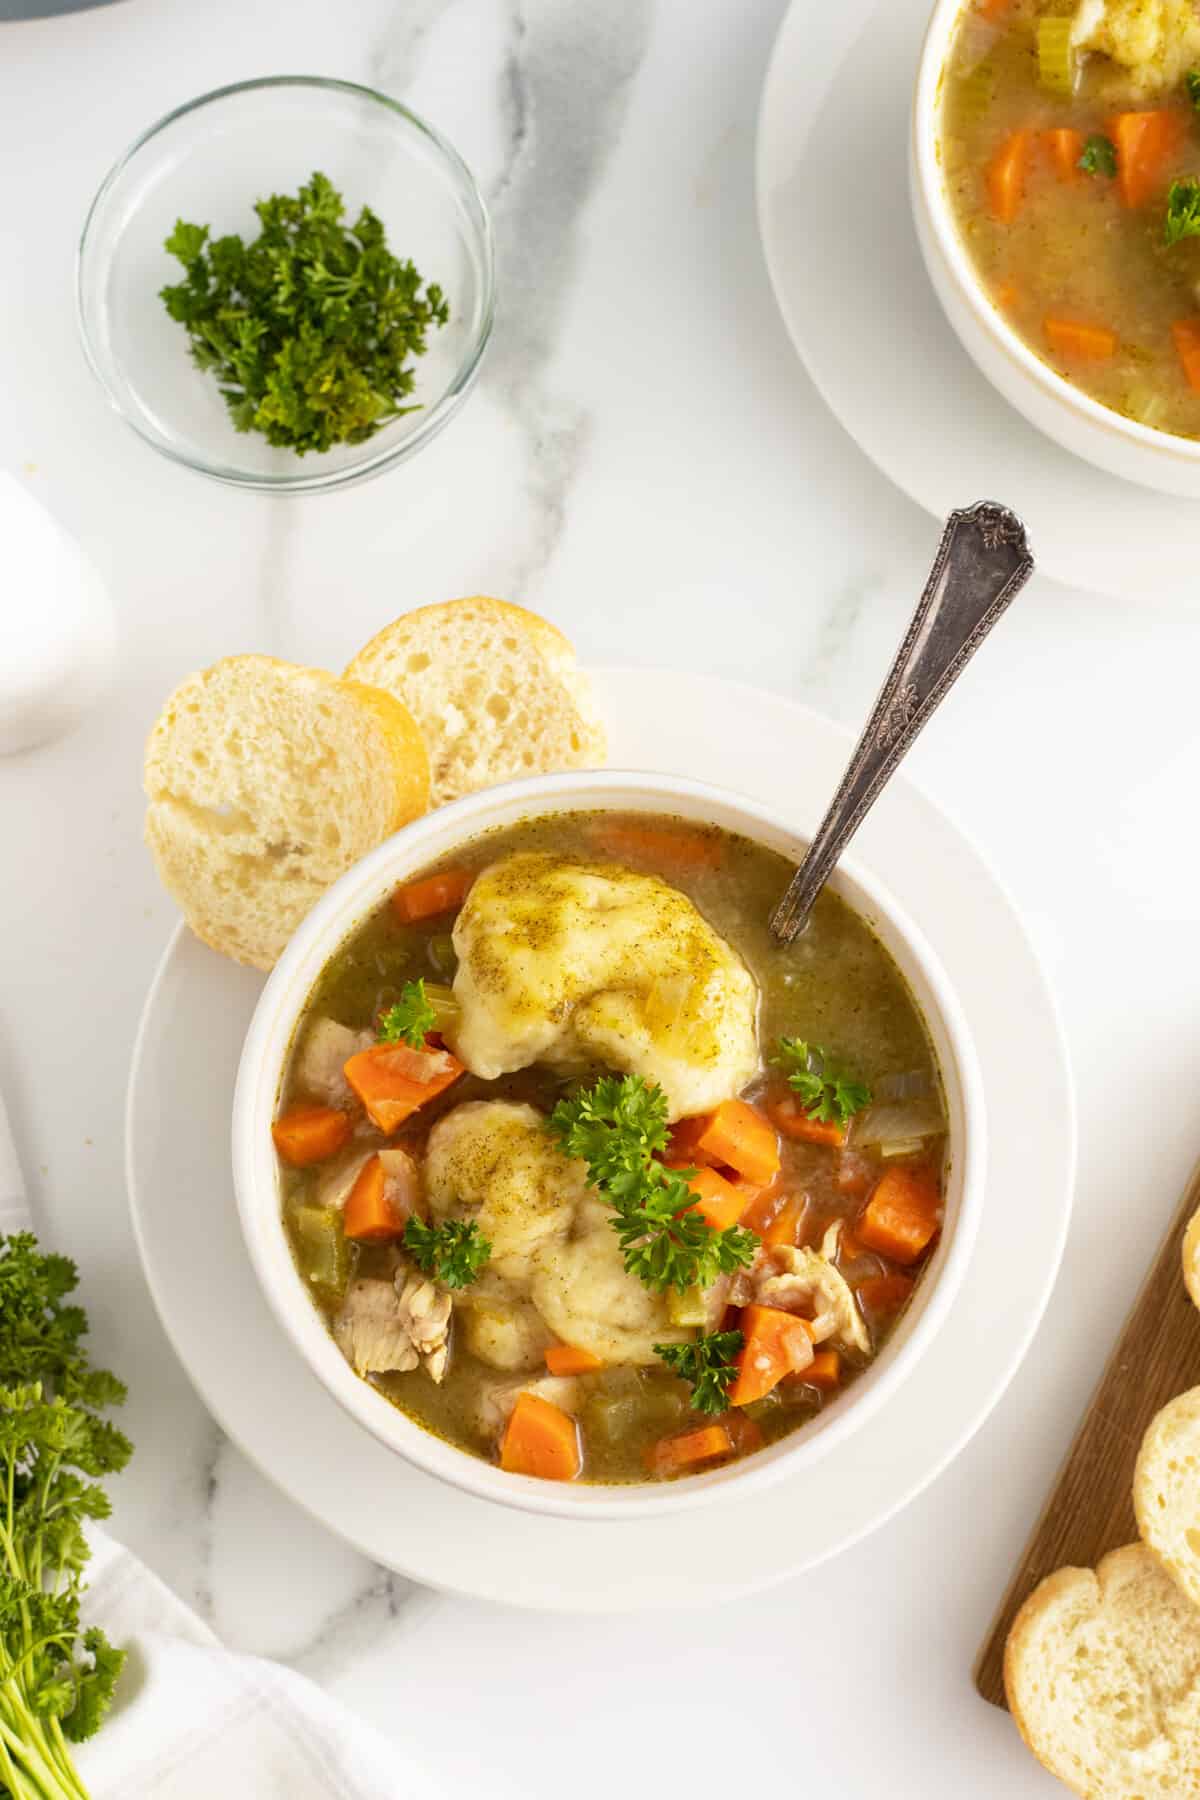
[[1090, 1510]]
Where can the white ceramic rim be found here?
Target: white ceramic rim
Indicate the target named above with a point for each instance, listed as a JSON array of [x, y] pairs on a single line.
[[929, 190], [255, 1171], [438, 416]]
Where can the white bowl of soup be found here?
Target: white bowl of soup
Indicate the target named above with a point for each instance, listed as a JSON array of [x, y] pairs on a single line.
[[573, 1187], [1055, 167]]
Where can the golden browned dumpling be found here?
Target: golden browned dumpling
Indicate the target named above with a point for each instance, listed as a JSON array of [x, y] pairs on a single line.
[[1154, 42], [574, 963]]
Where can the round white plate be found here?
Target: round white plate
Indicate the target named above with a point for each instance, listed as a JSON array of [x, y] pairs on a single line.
[[180, 1093], [842, 253]]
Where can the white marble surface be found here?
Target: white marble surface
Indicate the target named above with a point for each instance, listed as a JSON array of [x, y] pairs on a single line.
[[646, 462]]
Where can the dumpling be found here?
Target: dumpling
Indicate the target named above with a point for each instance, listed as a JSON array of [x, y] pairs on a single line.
[[587, 1297], [494, 1162], [577, 963], [1155, 41]]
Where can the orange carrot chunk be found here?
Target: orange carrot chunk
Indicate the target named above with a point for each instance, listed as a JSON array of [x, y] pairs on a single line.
[[719, 1201], [393, 1082], [791, 1118], [1007, 295], [776, 1343], [882, 1295], [824, 1371], [1005, 177], [1065, 148], [1146, 142], [541, 1439], [381, 1202], [903, 1214], [1186, 333], [434, 895], [784, 1229], [566, 1359], [676, 847], [739, 1136], [672, 1454], [309, 1134], [1088, 343]]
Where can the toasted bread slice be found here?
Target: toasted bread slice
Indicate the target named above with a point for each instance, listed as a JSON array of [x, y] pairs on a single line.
[[1102, 1672], [1166, 1490], [265, 782], [495, 689], [1191, 1257]]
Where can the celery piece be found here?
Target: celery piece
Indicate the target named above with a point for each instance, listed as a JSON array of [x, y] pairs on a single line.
[[1056, 56], [441, 953], [321, 1249], [446, 1009], [688, 1308]]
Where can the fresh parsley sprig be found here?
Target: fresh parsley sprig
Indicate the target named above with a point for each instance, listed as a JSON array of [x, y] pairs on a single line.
[[709, 1364], [826, 1092], [1099, 156], [56, 1679], [309, 329], [454, 1252], [409, 1020], [1183, 211], [616, 1127]]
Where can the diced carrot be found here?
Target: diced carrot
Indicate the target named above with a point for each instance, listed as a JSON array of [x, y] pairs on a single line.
[[683, 1145], [566, 1359], [993, 10], [671, 1454], [719, 1201], [393, 1082], [1072, 337], [374, 1212], [1065, 147], [883, 1295], [774, 1345], [308, 1134], [791, 1118], [1005, 177], [1146, 142], [824, 1371], [541, 1439], [903, 1214], [784, 1229], [675, 847], [1186, 333], [1007, 295], [436, 894], [738, 1136]]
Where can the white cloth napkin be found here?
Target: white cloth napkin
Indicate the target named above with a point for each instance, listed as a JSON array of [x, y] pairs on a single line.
[[191, 1720]]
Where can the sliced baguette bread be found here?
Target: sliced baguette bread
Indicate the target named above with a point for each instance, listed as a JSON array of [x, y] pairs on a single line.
[[495, 689], [1102, 1673], [1191, 1257], [265, 782], [1166, 1490]]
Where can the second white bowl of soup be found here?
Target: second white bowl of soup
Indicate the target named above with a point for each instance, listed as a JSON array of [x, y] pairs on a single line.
[[576, 1189], [1055, 157]]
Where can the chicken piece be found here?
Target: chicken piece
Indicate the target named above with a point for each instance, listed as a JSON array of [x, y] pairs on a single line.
[[391, 1326], [1154, 42], [494, 1162], [494, 1401], [806, 1282], [587, 1297], [502, 1325], [575, 963], [318, 1066]]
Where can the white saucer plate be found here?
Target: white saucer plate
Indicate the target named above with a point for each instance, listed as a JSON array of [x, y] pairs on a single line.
[[842, 253], [185, 1219]]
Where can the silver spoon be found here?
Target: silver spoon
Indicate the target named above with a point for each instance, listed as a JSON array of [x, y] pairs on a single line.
[[983, 562]]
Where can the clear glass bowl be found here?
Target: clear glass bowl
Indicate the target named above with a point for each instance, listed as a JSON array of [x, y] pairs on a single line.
[[208, 162]]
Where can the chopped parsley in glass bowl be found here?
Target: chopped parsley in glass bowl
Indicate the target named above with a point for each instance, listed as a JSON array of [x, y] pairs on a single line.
[[329, 284]]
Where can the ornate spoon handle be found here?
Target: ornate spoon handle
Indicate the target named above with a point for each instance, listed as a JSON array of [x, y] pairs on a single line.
[[983, 562]]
